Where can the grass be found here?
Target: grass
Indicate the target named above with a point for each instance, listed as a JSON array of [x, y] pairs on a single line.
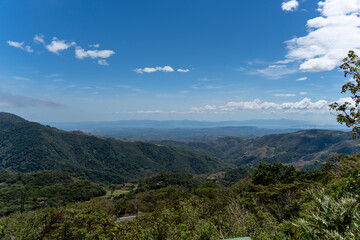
[[115, 193]]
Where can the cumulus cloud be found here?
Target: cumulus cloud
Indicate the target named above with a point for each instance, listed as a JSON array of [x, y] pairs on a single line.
[[303, 93], [303, 105], [154, 69], [39, 38], [80, 53], [20, 45], [103, 62], [348, 100], [58, 45], [9, 100], [205, 108], [290, 6], [183, 70], [330, 36], [302, 79]]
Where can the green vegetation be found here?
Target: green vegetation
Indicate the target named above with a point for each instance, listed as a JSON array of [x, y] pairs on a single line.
[[267, 174], [274, 202], [348, 112], [234, 175], [28, 191], [306, 150], [27, 147]]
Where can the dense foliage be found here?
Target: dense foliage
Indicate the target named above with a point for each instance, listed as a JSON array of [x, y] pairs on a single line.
[[26, 147], [27, 191], [348, 111], [274, 202], [267, 174], [306, 150]]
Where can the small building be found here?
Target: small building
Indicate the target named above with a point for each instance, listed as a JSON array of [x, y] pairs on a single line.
[[128, 184]]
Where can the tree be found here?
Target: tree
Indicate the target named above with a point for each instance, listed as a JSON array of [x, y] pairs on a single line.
[[266, 174], [349, 113]]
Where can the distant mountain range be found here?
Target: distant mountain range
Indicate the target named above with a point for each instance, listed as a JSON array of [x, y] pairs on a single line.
[[27, 146], [271, 123], [307, 149], [262, 123], [186, 130]]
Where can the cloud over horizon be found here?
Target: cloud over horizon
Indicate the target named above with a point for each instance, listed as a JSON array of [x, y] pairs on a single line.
[[303, 105]]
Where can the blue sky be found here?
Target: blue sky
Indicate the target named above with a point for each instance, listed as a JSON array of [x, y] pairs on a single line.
[[211, 60]]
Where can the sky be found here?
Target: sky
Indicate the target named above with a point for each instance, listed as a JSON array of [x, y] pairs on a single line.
[[209, 60]]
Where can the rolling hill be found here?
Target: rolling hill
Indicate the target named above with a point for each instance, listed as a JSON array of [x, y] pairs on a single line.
[[306, 149], [27, 147]]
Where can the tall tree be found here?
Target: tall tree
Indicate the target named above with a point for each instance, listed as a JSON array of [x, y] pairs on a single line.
[[348, 112]]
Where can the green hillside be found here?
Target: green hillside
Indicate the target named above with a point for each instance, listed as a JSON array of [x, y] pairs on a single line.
[[29, 191], [27, 146], [306, 149]]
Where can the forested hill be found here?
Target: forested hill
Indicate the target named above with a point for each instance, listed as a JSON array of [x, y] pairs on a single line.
[[27, 146], [306, 149]]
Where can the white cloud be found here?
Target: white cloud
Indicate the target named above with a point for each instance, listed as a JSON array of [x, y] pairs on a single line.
[[80, 53], [205, 108], [285, 95], [103, 62], [150, 111], [302, 79], [183, 70], [303, 93], [275, 71], [28, 49], [290, 6], [20, 45], [21, 78], [347, 99], [16, 44], [94, 45], [155, 69], [256, 104], [330, 36], [303, 105], [39, 38], [284, 61], [58, 45]]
